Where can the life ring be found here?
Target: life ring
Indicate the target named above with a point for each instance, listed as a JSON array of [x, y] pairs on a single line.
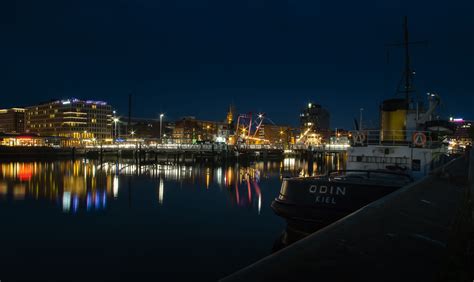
[[419, 139], [359, 138]]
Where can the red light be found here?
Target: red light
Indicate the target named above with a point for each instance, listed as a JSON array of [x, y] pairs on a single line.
[[26, 172]]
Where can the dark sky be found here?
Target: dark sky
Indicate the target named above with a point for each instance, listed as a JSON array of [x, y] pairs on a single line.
[[195, 57]]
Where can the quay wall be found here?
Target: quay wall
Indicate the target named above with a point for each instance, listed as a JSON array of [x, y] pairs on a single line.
[[15, 153], [150, 154], [421, 232]]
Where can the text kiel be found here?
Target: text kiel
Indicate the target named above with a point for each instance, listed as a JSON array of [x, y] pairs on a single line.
[[326, 193]]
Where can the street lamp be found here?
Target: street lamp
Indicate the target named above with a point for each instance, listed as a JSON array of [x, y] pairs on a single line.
[[115, 127], [161, 124]]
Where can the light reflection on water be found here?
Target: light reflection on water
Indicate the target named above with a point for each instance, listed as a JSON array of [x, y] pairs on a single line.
[[177, 222], [89, 185]]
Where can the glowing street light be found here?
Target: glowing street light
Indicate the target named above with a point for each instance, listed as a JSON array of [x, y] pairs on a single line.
[[161, 124], [115, 120]]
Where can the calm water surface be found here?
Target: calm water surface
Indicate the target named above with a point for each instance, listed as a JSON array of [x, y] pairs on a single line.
[[83, 220]]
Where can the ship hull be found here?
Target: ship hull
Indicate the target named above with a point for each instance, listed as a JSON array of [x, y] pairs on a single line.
[[320, 200]]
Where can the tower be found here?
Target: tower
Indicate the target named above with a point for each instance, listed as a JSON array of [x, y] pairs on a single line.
[[230, 115]]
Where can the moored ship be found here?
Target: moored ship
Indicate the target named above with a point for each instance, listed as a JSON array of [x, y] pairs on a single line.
[[408, 146]]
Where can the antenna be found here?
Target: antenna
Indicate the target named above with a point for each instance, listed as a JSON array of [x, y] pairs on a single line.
[[407, 61], [408, 73]]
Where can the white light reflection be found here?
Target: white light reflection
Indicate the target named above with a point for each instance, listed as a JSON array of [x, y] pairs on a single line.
[[219, 175], [161, 188], [289, 163], [259, 204], [66, 201], [115, 186]]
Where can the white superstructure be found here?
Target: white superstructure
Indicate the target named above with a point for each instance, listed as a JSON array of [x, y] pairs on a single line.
[[416, 157]]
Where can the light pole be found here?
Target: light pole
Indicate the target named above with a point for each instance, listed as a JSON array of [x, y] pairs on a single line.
[[115, 127], [360, 119], [161, 125]]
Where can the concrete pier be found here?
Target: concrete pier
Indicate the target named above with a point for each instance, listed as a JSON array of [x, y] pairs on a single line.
[[422, 232]]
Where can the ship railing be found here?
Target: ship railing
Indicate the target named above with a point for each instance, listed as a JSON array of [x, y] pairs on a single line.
[[368, 174], [412, 138]]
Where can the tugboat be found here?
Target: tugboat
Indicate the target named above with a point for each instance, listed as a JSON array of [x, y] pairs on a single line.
[[407, 147]]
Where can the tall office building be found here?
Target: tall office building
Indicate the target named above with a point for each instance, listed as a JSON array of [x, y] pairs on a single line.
[[72, 118], [315, 118], [12, 120]]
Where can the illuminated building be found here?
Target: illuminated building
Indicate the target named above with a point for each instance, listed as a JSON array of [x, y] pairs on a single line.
[[71, 118], [463, 128], [189, 130], [314, 119], [12, 139], [144, 128], [149, 128], [275, 134], [463, 134], [12, 120]]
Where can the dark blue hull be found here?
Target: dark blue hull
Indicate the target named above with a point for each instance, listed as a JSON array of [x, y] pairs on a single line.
[[320, 200]]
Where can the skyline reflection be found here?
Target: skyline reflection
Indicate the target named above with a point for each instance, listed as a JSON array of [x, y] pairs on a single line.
[[90, 186]]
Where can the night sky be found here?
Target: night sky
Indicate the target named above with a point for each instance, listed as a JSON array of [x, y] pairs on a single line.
[[195, 57]]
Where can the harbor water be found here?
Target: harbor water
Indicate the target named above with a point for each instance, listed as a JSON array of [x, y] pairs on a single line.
[[91, 221]]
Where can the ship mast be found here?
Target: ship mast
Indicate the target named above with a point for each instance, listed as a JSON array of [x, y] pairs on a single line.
[[406, 79], [407, 61]]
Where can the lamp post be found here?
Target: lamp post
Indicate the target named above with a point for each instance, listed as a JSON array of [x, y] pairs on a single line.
[[115, 127], [360, 119], [161, 125]]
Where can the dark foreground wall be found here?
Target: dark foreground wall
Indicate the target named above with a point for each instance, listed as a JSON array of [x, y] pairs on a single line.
[[419, 233]]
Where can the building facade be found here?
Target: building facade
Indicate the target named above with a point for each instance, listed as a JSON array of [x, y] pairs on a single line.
[[190, 130], [12, 120], [275, 134], [148, 128], [463, 128], [315, 118], [71, 118]]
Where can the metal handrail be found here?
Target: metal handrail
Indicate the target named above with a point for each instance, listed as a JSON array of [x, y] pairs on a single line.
[[330, 172], [390, 137]]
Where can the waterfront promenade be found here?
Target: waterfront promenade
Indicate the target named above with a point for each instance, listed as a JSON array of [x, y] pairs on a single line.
[[423, 232], [171, 152]]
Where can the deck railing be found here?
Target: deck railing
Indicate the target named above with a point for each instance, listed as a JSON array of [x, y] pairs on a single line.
[[414, 138]]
